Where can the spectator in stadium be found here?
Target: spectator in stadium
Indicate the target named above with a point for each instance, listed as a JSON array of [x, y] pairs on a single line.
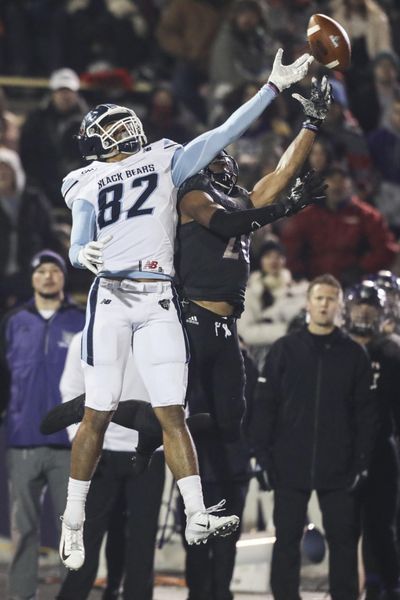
[[47, 147], [272, 300], [113, 32], [31, 44], [10, 124], [384, 144], [367, 25], [313, 428], [321, 156], [185, 33], [33, 347], [166, 118], [25, 226], [344, 236], [241, 49]]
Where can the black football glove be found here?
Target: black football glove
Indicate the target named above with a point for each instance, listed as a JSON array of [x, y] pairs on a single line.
[[310, 189], [317, 106]]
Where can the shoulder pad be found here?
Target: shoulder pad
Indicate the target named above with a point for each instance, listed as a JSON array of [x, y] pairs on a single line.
[[199, 182]]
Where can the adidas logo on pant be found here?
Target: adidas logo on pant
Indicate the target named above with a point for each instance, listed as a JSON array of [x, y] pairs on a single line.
[[193, 320]]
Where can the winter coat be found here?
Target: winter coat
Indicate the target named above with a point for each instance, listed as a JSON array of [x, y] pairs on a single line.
[[314, 419], [33, 352]]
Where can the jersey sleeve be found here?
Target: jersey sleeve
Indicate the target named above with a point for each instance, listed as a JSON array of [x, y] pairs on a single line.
[[69, 188]]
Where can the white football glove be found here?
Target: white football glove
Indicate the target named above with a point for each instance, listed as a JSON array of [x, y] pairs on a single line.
[[91, 255], [283, 76]]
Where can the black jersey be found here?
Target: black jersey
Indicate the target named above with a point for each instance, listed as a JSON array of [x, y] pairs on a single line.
[[208, 266], [384, 352]]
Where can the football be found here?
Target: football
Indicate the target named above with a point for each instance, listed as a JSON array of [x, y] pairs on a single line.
[[329, 42]]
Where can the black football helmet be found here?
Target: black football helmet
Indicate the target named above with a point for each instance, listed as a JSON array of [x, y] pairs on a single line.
[[223, 171], [108, 130], [365, 309], [390, 283]]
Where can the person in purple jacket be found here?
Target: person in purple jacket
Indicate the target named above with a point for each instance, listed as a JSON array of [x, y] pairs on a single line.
[[33, 347]]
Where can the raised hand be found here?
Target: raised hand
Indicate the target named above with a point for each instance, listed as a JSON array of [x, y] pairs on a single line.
[[316, 107], [283, 76], [309, 189]]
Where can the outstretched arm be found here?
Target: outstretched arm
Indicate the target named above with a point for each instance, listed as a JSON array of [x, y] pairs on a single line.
[[200, 151], [315, 109], [197, 205]]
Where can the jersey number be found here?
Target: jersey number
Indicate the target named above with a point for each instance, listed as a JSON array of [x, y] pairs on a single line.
[[110, 200], [235, 246]]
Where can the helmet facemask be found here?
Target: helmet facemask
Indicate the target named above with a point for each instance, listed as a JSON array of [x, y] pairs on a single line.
[[118, 131], [365, 309], [223, 171]]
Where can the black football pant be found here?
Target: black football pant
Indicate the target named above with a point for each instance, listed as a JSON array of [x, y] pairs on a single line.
[[209, 567], [379, 511], [340, 515], [216, 369], [143, 494]]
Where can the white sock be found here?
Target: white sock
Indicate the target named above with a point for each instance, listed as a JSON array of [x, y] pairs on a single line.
[[74, 514], [192, 494]]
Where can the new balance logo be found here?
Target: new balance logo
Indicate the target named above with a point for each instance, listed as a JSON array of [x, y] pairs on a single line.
[[193, 320], [106, 301]]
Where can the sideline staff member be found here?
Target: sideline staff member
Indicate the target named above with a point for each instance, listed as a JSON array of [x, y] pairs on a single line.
[[313, 426]]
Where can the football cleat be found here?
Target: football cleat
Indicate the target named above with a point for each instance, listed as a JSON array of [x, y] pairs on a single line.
[[72, 550], [203, 525]]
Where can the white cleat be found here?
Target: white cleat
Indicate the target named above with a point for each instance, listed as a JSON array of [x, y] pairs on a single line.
[[202, 525], [72, 550]]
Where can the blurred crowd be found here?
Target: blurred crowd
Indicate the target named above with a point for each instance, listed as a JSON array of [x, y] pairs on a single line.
[[184, 66]]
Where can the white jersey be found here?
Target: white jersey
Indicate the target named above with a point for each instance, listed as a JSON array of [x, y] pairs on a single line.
[[134, 200]]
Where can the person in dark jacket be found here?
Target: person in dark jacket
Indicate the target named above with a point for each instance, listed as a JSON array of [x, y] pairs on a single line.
[[34, 343], [313, 427], [365, 309], [47, 148], [25, 226]]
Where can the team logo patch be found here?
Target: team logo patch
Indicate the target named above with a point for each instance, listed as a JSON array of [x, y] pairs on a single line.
[[164, 303]]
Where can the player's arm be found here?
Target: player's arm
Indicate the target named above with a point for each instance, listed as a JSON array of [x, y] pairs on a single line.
[[199, 152], [82, 232], [315, 108], [199, 206]]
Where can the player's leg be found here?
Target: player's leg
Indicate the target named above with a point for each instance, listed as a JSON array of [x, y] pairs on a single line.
[[105, 347], [216, 370], [228, 383], [160, 355]]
